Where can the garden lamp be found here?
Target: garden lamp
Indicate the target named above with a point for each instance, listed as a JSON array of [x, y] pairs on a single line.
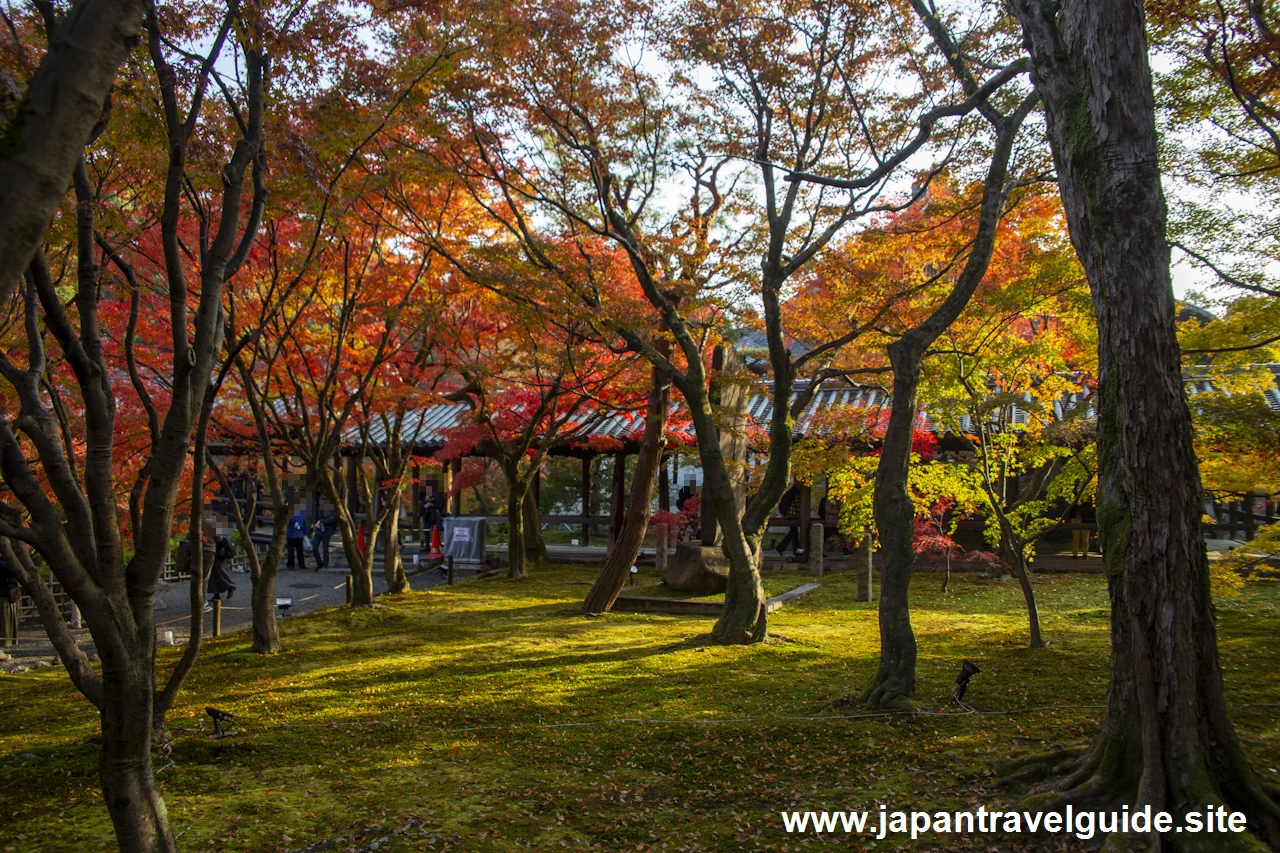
[[219, 717], [968, 669]]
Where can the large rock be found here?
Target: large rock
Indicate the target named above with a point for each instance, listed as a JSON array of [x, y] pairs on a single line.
[[697, 568]]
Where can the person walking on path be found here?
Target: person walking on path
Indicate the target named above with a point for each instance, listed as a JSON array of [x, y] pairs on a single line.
[[220, 584], [294, 536], [10, 600], [321, 532]]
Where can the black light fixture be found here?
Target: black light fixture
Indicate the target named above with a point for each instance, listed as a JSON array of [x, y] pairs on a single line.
[[219, 717], [968, 669], [283, 605], [635, 570]]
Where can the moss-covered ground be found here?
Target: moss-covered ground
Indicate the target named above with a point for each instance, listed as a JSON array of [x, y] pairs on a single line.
[[492, 716]]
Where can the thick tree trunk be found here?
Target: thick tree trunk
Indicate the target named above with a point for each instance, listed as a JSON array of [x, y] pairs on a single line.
[[63, 103], [516, 559], [895, 681], [865, 573], [617, 566], [393, 566], [266, 634], [535, 548], [744, 618], [124, 764], [362, 574], [1166, 740], [894, 685]]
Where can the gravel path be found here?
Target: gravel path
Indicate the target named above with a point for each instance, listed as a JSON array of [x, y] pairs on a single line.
[[310, 590]]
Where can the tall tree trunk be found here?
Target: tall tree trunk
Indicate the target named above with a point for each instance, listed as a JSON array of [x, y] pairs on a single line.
[[360, 562], [516, 560], [744, 618], [1166, 739], [535, 547], [894, 685], [137, 812], [865, 573], [393, 566], [617, 566], [895, 681], [266, 634]]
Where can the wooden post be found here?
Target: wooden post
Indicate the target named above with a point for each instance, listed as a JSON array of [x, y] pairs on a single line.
[[455, 502], [815, 553], [806, 507], [449, 562], [217, 617], [586, 499], [347, 580], [616, 504]]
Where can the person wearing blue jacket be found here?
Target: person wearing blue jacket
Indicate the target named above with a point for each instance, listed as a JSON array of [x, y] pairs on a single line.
[[294, 536]]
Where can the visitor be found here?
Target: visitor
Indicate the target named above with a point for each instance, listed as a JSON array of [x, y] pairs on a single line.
[[294, 536], [433, 512], [221, 585], [321, 532], [1080, 536], [9, 605], [789, 507]]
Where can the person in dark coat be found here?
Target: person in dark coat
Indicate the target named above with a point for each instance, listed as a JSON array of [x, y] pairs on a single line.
[[789, 507], [221, 584], [294, 536], [321, 533], [9, 604]]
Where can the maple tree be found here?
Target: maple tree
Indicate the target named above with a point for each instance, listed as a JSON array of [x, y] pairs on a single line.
[[531, 381], [789, 94], [1014, 376], [58, 454]]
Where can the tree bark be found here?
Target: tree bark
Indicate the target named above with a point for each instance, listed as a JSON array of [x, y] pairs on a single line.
[[54, 122], [1166, 739], [622, 556], [895, 680], [865, 574], [124, 764], [535, 547], [1019, 565], [517, 566], [393, 566], [894, 685], [266, 633]]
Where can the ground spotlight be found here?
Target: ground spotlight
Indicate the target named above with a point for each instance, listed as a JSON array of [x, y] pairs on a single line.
[[968, 669], [219, 717]]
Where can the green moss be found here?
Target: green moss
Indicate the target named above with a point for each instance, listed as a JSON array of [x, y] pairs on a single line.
[[450, 706]]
